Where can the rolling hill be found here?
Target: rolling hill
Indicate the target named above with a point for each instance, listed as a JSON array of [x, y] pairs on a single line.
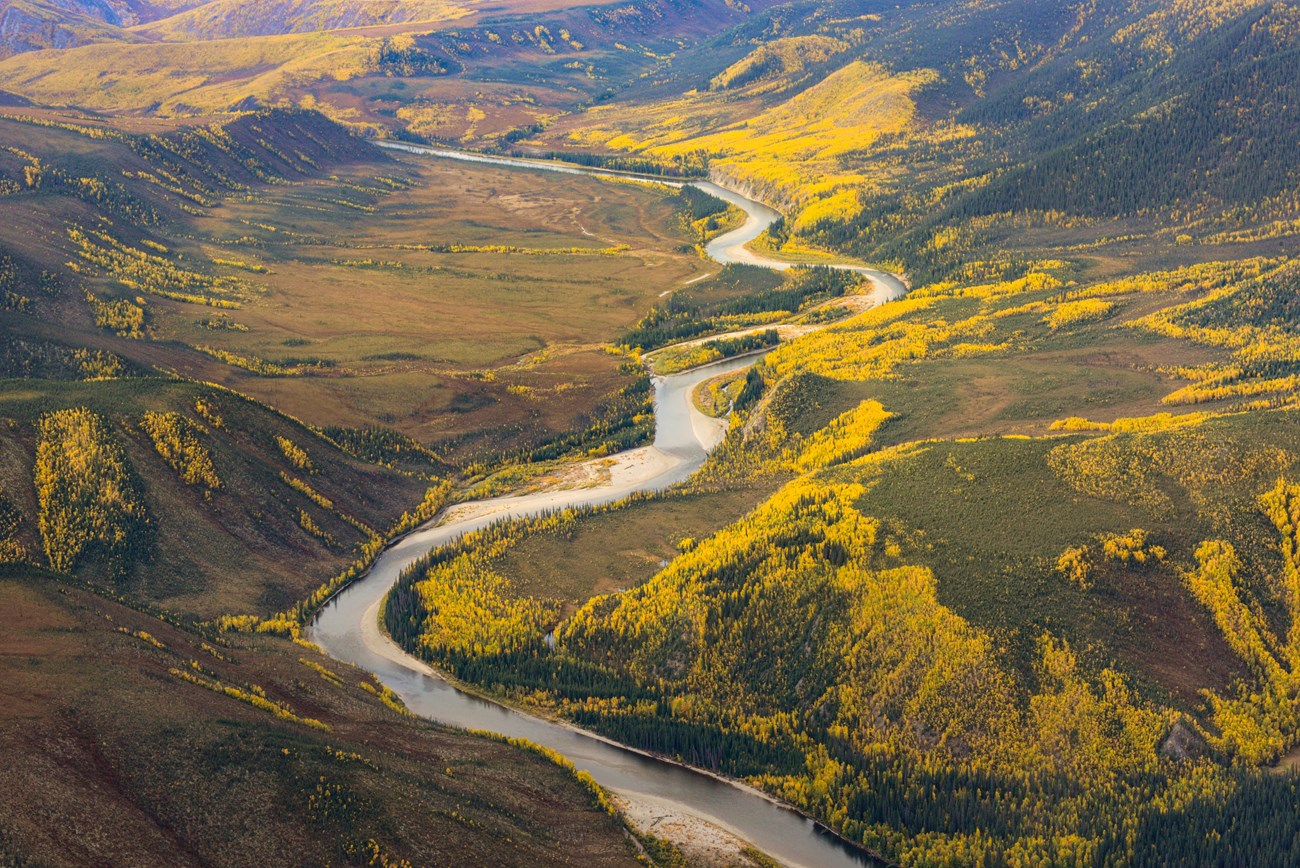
[[109, 713]]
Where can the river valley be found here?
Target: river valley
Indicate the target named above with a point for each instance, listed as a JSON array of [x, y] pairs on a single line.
[[348, 627]]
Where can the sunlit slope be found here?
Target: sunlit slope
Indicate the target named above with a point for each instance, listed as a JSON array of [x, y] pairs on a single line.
[[921, 686], [179, 78], [32, 25], [225, 19], [916, 135], [479, 73], [791, 153], [1026, 590], [775, 62]]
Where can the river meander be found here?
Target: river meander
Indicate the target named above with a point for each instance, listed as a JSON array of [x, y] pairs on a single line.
[[348, 626]]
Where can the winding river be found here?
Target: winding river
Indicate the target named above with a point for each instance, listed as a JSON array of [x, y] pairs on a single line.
[[348, 626]]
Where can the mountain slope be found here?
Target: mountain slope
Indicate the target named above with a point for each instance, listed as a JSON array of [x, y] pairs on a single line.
[[1025, 590], [1012, 109], [229, 19]]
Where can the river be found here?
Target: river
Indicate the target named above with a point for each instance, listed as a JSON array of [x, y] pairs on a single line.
[[348, 629]]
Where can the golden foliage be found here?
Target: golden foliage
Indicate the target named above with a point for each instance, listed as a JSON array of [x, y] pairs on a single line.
[[898, 677], [253, 695], [146, 272], [176, 440], [122, 317], [307, 491], [1263, 719], [848, 436], [777, 59], [297, 456], [1074, 312], [12, 549], [1201, 461], [793, 152], [872, 344], [261, 367], [307, 523], [1130, 548], [1075, 563], [208, 410], [88, 501], [472, 611], [98, 364]]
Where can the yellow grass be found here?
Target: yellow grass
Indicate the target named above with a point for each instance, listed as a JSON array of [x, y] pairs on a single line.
[[798, 153], [182, 78], [240, 18]]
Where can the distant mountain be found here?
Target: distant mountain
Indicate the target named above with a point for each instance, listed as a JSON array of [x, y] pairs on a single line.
[[33, 25]]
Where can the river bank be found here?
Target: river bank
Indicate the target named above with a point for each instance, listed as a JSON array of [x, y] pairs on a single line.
[[348, 626]]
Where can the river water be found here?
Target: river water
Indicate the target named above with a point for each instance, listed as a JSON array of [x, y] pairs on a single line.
[[348, 626]]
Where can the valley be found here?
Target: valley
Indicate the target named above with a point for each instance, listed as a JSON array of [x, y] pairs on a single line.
[[348, 625], [670, 432]]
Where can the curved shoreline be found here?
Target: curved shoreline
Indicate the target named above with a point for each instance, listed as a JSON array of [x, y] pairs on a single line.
[[348, 626], [869, 856]]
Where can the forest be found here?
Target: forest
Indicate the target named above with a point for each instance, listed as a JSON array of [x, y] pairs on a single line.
[[842, 647]]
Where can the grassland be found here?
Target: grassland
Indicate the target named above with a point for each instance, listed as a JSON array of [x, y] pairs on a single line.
[[473, 331], [618, 549]]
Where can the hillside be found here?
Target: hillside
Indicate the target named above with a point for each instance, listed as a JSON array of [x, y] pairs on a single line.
[[1002, 114], [232, 253], [110, 714], [1019, 583], [180, 308], [175, 469], [33, 25], [374, 66], [231, 19], [218, 491]]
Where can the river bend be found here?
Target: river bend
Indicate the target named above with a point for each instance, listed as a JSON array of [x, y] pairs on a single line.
[[348, 628]]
